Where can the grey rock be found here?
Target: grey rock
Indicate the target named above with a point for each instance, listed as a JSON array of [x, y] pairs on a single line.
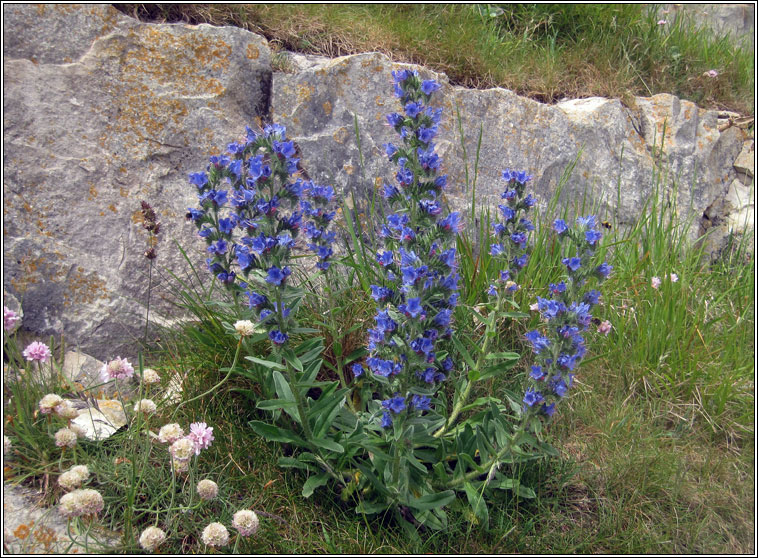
[[101, 112], [623, 157], [735, 20], [745, 161], [99, 419], [31, 528]]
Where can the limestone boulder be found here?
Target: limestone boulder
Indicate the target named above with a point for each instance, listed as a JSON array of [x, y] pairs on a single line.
[[623, 155], [101, 112]]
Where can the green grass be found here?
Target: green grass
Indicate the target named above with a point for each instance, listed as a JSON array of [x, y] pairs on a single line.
[[656, 440], [544, 51]]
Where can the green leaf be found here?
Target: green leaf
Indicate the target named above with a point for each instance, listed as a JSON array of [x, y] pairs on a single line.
[[271, 404], [293, 463], [476, 500], [496, 369], [504, 356], [313, 483], [328, 444], [267, 363], [370, 508], [464, 353], [431, 501], [515, 315], [275, 434], [291, 358]]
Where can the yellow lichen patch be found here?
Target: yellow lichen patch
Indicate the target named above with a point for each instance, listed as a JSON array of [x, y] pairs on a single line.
[[84, 287], [92, 193], [47, 537], [123, 192], [252, 51], [340, 135], [112, 207], [22, 531], [348, 168], [304, 92], [327, 108], [379, 101]]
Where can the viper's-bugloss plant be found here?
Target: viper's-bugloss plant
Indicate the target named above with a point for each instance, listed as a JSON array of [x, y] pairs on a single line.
[[404, 435], [253, 205], [415, 303], [559, 345]]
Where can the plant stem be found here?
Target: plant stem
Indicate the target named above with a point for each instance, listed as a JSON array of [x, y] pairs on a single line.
[[218, 385], [149, 290], [492, 462], [488, 336]]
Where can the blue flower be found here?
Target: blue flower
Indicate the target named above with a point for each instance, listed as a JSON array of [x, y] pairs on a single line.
[[573, 263], [452, 222], [277, 276], [357, 369], [531, 397], [278, 337], [592, 236], [395, 404], [559, 226], [413, 109], [195, 214], [604, 270], [496, 249], [421, 402], [429, 86], [395, 119], [539, 342], [492, 291], [537, 373], [414, 307], [386, 420], [256, 300], [588, 221], [199, 179], [385, 258]]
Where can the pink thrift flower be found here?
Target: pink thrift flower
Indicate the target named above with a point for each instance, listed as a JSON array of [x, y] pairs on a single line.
[[117, 369], [37, 351], [711, 73], [10, 318], [674, 277], [604, 328], [201, 435], [655, 282], [662, 22]]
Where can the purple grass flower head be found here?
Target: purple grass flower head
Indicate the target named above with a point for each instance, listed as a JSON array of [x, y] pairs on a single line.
[[10, 319], [37, 352], [201, 436], [117, 369]]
